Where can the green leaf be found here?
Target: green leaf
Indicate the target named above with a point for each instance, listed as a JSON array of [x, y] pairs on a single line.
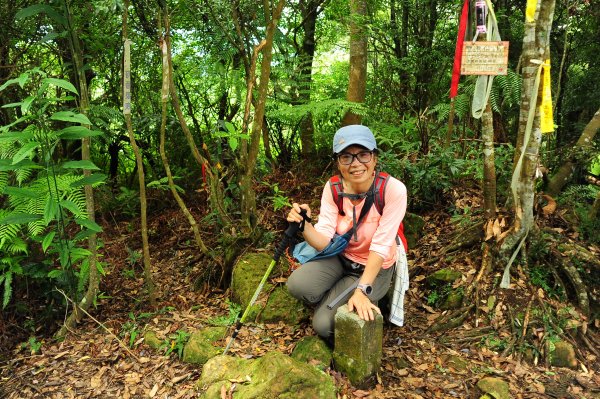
[[91, 180], [39, 9], [70, 205], [26, 104], [89, 224], [13, 105], [8, 83], [25, 151], [56, 273], [20, 218], [61, 83], [50, 210], [5, 165], [48, 240], [17, 136], [233, 143], [21, 192], [78, 132], [68, 116], [89, 165]]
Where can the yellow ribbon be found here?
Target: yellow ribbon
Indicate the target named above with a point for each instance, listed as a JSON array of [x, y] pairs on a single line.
[[546, 117], [530, 10]]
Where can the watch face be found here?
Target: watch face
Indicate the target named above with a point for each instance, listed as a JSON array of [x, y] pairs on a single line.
[[368, 290]]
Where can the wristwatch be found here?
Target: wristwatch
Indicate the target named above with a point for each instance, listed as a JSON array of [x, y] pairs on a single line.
[[365, 288]]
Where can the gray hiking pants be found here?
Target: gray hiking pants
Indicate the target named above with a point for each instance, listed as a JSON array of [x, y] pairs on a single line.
[[321, 281]]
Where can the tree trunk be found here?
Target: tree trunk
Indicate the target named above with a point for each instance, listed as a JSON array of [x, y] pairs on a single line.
[[309, 10], [535, 47], [148, 278], [489, 166], [357, 85], [248, 200], [564, 173], [84, 105]]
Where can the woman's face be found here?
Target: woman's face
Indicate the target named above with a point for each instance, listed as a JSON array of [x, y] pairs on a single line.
[[362, 166]]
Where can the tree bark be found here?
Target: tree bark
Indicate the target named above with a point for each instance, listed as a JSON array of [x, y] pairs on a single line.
[[535, 50], [148, 278], [564, 173], [357, 84], [84, 105], [248, 200], [489, 166]]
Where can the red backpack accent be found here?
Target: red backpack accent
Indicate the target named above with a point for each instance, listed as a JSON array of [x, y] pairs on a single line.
[[335, 182]]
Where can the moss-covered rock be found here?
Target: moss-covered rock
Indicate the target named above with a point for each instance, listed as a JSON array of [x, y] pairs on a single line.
[[443, 276], [413, 228], [314, 351], [358, 345], [280, 305], [563, 355], [202, 345], [493, 387], [453, 300], [152, 340], [455, 362], [274, 375]]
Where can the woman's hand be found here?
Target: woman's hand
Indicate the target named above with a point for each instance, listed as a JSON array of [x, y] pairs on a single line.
[[294, 214], [363, 305]]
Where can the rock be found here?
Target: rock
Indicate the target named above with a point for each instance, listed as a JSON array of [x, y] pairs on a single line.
[[314, 351], [413, 228], [280, 306], [443, 276], [201, 345], [358, 346], [563, 355], [455, 362], [274, 375], [493, 387], [453, 300], [152, 340]]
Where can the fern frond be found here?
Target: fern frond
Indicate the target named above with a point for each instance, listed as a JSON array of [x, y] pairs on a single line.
[[3, 180], [7, 277]]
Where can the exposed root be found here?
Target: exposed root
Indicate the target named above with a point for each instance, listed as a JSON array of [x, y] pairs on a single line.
[[465, 238], [451, 320], [576, 281]]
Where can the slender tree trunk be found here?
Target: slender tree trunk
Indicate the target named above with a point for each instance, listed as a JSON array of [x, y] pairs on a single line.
[[84, 105], [357, 85], [163, 127], [535, 47], [148, 278], [489, 166], [564, 173], [310, 11], [248, 200], [595, 211]]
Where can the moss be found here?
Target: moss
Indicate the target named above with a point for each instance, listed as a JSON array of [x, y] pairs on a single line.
[[281, 306], [313, 350], [152, 340], [445, 275], [275, 375], [494, 387], [201, 345]]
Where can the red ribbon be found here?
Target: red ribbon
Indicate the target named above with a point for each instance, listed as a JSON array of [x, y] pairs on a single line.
[[460, 39]]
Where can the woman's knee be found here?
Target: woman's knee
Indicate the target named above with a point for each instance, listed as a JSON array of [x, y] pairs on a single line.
[[295, 285], [323, 324]]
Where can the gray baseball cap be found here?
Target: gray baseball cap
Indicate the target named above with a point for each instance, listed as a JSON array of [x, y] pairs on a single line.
[[353, 135]]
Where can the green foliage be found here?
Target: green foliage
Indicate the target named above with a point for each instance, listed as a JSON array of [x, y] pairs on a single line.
[[176, 343], [280, 201], [32, 345], [44, 194], [580, 198], [234, 311]]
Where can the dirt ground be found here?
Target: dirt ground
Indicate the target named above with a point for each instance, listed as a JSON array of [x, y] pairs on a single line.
[[105, 357]]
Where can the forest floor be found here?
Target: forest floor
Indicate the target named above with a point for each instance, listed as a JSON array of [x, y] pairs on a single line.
[[105, 357]]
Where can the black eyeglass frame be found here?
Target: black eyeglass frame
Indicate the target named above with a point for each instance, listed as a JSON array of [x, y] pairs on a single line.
[[354, 156]]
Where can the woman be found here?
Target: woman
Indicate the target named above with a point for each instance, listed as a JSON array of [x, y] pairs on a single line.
[[371, 253]]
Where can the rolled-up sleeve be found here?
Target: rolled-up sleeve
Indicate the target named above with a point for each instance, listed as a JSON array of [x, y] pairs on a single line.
[[328, 213], [384, 239]]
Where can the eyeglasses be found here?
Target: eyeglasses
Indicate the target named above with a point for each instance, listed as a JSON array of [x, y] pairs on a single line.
[[347, 158]]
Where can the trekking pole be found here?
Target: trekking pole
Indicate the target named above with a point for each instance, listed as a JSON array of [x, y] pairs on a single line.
[[289, 234]]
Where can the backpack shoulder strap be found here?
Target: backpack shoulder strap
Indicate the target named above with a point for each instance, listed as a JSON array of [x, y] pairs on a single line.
[[380, 183], [335, 182]]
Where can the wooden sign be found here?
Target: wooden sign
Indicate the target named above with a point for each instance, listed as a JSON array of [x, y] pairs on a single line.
[[484, 58]]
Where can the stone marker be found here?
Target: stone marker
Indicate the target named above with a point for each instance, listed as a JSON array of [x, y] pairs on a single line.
[[358, 345]]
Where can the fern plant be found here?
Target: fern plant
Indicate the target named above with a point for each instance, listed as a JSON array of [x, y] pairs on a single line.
[[43, 194]]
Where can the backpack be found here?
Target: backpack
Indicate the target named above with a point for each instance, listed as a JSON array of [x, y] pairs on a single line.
[[381, 178]]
